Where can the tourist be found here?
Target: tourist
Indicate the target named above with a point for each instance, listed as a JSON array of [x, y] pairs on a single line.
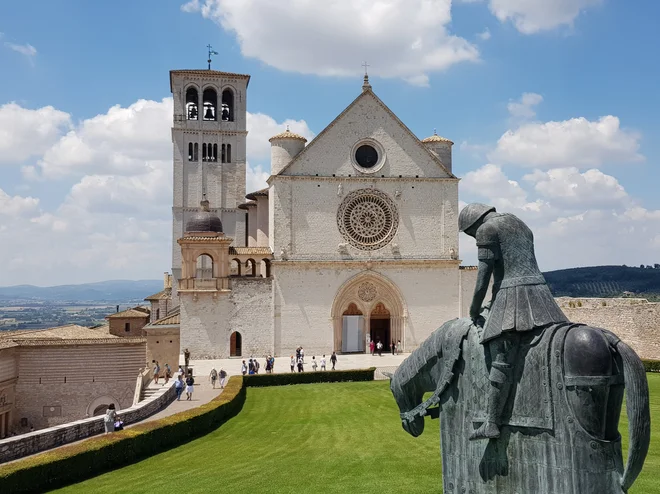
[[256, 365], [213, 376], [244, 368], [223, 378], [379, 347], [293, 364], [333, 359], [272, 364], [372, 347], [268, 365], [393, 347], [180, 372], [186, 357], [300, 365], [190, 382], [323, 363], [314, 363], [109, 419], [178, 386], [297, 353], [156, 371], [168, 373], [119, 425], [398, 347], [250, 367], [302, 354]]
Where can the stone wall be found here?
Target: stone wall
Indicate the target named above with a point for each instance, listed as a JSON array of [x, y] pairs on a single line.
[[252, 315], [62, 383], [635, 321], [33, 442], [135, 324], [163, 345]]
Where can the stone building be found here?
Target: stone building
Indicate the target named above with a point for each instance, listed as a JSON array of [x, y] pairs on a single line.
[[54, 376], [128, 322], [355, 237]]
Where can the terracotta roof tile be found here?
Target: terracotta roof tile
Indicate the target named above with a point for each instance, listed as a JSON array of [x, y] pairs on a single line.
[[253, 195], [287, 134], [163, 294], [128, 313]]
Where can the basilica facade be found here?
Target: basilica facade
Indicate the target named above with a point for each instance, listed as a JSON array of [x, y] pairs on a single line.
[[354, 239]]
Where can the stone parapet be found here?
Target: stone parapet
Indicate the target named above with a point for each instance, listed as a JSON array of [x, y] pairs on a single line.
[[16, 447]]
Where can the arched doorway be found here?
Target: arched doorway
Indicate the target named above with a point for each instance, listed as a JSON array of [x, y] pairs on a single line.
[[379, 327], [235, 344], [382, 304], [353, 330], [100, 410]]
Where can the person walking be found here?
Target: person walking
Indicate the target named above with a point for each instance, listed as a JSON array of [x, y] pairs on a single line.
[[293, 364], [168, 373], [379, 348], [333, 359], [213, 376], [398, 347], [223, 378], [190, 382], [372, 347], [178, 386], [323, 363], [109, 419], [256, 365], [300, 365], [244, 368], [186, 357], [180, 372], [393, 347], [314, 363], [156, 371], [302, 354]]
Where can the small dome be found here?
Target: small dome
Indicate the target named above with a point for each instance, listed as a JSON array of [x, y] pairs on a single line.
[[204, 220], [287, 134], [436, 138]]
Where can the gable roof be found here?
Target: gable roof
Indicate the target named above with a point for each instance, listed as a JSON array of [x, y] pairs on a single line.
[[128, 313], [367, 91], [163, 294]]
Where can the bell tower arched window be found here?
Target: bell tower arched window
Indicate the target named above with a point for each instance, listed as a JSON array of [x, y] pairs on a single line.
[[192, 100], [228, 153], [227, 106], [224, 154], [190, 151], [210, 98]]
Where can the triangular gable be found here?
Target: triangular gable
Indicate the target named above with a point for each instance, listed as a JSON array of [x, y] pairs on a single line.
[[290, 168]]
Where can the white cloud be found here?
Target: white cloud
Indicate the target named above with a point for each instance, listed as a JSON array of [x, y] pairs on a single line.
[[400, 38], [490, 182], [484, 35], [25, 133], [577, 142], [533, 16], [524, 107], [115, 219], [27, 49]]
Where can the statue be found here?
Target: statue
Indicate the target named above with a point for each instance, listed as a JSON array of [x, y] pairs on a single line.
[[528, 401]]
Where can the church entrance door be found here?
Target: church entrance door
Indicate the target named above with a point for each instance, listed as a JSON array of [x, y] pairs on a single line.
[[235, 344], [380, 326], [353, 339]]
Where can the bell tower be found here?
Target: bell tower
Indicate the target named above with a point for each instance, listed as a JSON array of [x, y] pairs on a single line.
[[209, 131]]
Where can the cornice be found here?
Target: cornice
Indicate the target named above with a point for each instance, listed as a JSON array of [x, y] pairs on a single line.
[[364, 263], [344, 178], [229, 133]]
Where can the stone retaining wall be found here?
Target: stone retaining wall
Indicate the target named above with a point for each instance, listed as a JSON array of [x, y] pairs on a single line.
[[16, 447]]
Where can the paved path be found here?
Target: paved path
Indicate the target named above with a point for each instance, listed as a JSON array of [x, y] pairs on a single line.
[[202, 368]]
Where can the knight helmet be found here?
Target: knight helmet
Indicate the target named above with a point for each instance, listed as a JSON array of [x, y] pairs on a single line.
[[472, 213]]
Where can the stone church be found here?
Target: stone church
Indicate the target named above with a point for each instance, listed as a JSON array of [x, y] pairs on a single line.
[[355, 237]]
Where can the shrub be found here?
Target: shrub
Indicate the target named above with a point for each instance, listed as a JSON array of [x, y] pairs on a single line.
[[603, 303], [260, 380], [99, 454], [579, 303], [651, 365]]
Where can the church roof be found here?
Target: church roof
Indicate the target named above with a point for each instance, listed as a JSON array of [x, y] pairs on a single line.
[[62, 335], [163, 294], [174, 317], [436, 138], [253, 195], [128, 313], [204, 220], [247, 205], [366, 90], [287, 134]]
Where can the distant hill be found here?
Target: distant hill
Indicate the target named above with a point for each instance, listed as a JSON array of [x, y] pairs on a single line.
[[604, 281], [103, 291]]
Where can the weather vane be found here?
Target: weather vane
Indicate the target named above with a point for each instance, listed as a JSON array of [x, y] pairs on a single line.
[[211, 52]]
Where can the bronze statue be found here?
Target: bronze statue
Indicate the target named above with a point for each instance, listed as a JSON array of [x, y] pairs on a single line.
[[546, 393]]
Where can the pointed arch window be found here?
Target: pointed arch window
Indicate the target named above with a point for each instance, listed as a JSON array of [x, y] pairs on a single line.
[[215, 153], [227, 105], [192, 100], [228, 153], [204, 156], [196, 153], [210, 98], [224, 154], [190, 151]]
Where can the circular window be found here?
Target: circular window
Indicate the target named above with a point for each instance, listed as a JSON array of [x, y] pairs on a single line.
[[368, 219], [366, 156]]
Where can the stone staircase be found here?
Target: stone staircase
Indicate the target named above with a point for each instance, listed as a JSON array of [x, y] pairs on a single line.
[[153, 389]]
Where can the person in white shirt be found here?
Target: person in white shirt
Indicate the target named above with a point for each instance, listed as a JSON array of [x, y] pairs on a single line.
[[323, 363], [314, 364]]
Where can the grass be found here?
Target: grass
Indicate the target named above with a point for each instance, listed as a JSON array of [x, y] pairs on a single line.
[[330, 438]]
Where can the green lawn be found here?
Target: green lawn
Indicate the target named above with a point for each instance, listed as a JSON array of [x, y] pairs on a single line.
[[326, 438]]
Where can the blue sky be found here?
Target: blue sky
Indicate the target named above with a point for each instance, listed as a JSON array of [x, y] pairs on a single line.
[[84, 142]]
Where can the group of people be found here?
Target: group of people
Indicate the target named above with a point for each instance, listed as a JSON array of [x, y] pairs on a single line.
[[377, 346], [213, 376], [111, 421], [158, 372], [252, 366], [188, 384], [298, 362]]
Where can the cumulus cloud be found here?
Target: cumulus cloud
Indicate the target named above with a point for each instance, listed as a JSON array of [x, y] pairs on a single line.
[[577, 142], [332, 38], [533, 16], [114, 220], [25, 133], [524, 107], [484, 35]]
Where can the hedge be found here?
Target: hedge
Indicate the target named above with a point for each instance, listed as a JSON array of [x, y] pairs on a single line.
[[260, 380], [77, 462], [651, 365]]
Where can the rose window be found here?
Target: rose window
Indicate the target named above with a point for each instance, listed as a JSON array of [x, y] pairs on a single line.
[[368, 219]]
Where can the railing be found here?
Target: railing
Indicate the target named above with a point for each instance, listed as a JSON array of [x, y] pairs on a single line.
[[142, 381], [211, 284]]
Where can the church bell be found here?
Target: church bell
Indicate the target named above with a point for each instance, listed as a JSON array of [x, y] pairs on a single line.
[[209, 114]]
